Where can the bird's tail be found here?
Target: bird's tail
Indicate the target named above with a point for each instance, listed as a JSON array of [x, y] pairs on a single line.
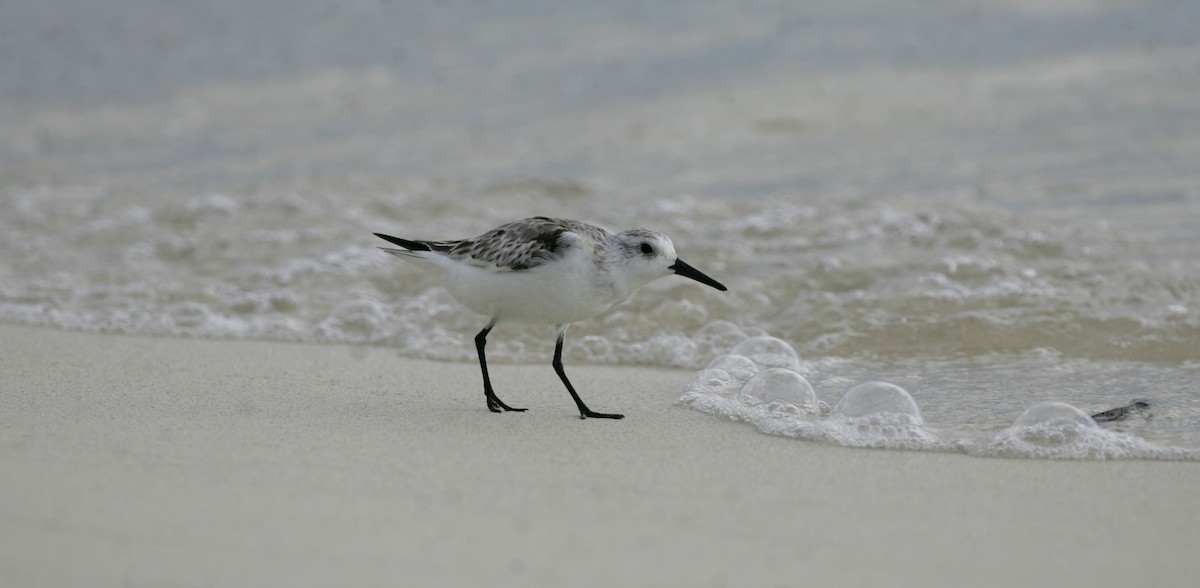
[[405, 243], [411, 248]]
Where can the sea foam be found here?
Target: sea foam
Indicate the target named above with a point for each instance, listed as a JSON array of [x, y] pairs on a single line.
[[873, 414]]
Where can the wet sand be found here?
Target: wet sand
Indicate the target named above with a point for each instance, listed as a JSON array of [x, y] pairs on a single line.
[[131, 461]]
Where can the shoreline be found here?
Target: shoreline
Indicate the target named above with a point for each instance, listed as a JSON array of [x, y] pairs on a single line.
[[182, 462]]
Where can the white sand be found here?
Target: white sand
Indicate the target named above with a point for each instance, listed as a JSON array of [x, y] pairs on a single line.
[[133, 461]]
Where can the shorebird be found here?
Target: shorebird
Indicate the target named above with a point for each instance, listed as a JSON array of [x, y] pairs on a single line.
[[546, 271]]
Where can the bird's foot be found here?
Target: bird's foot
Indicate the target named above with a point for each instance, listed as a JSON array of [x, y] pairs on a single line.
[[591, 414], [496, 405]]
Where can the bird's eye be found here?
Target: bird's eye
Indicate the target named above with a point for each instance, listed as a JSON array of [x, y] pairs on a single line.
[[647, 249]]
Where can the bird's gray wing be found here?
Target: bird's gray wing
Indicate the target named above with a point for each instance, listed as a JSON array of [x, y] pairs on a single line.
[[521, 245]]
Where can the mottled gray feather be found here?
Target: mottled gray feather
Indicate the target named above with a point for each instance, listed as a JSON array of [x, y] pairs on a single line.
[[519, 245]]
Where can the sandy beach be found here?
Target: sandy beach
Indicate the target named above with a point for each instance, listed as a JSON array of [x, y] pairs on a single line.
[[131, 461], [989, 204]]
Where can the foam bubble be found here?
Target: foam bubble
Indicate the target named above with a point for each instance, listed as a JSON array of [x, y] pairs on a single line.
[[1057, 430], [712, 391], [714, 381], [768, 352], [879, 430], [880, 415], [718, 335], [780, 385], [741, 368], [878, 397], [1054, 413], [779, 401]]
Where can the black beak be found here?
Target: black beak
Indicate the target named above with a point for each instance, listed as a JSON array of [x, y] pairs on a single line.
[[688, 271]]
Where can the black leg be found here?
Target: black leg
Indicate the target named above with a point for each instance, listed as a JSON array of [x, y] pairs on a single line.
[[494, 403], [584, 411]]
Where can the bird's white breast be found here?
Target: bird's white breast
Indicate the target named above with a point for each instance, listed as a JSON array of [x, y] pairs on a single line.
[[568, 289]]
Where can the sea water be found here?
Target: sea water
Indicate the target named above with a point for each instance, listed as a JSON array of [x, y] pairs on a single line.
[[986, 206]]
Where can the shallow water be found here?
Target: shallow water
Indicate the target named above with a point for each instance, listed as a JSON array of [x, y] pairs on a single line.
[[989, 204]]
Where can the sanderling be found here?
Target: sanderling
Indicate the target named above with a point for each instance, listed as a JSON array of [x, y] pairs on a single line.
[[549, 271]]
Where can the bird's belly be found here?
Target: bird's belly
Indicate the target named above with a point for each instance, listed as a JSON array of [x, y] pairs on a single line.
[[531, 296]]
